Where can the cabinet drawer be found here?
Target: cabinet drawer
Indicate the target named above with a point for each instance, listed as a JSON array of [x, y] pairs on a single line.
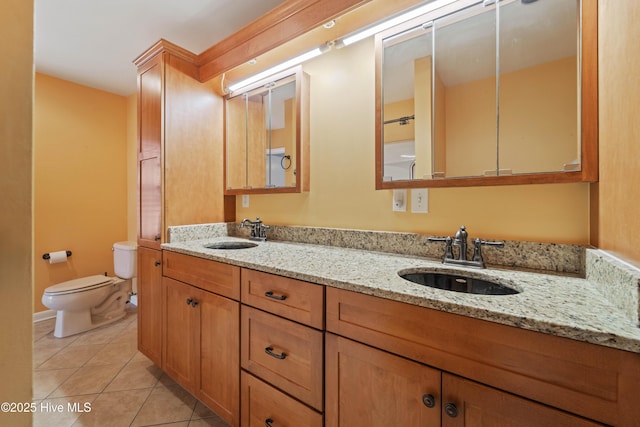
[[212, 276], [283, 353], [261, 403], [294, 299], [590, 380]]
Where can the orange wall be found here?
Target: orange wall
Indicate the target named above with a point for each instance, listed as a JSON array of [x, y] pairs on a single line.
[[540, 100], [619, 92], [80, 180]]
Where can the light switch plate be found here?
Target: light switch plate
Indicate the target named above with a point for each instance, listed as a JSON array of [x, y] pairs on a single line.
[[420, 200], [245, 200]]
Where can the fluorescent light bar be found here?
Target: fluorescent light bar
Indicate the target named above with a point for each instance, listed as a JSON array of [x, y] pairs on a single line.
[[276, 69], [395, 21]]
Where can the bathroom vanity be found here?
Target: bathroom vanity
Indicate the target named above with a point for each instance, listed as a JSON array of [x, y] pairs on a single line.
[[297, 334]]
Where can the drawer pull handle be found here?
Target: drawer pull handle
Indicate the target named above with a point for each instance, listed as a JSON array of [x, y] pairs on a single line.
[[269, 351], [428, 400], [268, 422], [451, 409], [270, 294]]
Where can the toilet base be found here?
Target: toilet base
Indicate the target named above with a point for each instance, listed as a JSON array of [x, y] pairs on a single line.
[[74, 322]]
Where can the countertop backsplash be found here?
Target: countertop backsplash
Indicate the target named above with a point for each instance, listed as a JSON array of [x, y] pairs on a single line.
[[617, 280], [534, 256]]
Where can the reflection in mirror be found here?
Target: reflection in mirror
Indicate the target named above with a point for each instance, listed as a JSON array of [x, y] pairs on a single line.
[[465, 92], [538, 95], [261, 136], [492, 90], [407, 105]]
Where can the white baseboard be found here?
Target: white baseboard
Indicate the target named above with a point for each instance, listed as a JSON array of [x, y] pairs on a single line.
[[44, 315]]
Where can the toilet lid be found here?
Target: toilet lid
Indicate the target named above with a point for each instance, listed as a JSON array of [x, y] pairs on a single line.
[[81, 284]]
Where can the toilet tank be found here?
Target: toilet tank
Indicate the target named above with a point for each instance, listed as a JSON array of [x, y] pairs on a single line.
[[124, 259]]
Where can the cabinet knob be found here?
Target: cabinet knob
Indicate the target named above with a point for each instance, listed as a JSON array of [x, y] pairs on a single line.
[[428, 400], [189, 301], [268, 422], [157, 238], [269, 351], [157, 263], [270, 294], [451, 409], [192, 302]]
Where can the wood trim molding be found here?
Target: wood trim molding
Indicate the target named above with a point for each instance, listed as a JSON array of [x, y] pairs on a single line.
[[285, 22], [163, 45]]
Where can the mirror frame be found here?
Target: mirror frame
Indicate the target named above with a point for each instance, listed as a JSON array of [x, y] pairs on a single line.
[[302, 134], [588, 121]]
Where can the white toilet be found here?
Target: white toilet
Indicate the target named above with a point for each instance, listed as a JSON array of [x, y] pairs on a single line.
[[89, 302]]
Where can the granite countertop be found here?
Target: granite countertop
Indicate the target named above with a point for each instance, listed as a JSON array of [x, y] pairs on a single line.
[[568, 307]]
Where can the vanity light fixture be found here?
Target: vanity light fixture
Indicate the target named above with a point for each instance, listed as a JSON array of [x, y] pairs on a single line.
[[277, 68], [367, 32]]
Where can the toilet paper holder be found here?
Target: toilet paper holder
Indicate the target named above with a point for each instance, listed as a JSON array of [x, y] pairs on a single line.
[[46, 256]]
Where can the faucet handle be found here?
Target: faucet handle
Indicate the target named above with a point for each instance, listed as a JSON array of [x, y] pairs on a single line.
[[477, 249], [497, 244], [448, 249]]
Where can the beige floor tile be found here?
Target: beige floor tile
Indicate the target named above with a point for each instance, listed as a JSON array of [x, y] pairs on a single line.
[[103, 335], [208, 422], [140, 374], [201, 411], [115, 409], [166, 381], [44, 382], [140, 357], [61, 412], [41, 355], [40, 329], [71, 357], [166, 405], [129, 335], [87, 380], [114, 353], [50, 341], [178, 424]]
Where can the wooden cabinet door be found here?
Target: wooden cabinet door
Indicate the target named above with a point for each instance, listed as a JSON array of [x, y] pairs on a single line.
[[150, 303], [220, 356], [369, 387], [181, 347], [466, 403], [150, 95], [150, 202]]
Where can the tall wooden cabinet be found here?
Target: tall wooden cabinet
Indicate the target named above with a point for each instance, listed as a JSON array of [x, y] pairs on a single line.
[[180, 145], [180, 168]]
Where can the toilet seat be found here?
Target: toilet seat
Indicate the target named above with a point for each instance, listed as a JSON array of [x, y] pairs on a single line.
[[79, 285]]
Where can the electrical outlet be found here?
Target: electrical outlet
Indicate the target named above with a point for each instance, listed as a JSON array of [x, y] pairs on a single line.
[[420, 200], [245, 200], [399, 201]]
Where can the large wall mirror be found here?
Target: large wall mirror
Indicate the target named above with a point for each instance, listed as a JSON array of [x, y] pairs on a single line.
[[266, 143], [488, 93]]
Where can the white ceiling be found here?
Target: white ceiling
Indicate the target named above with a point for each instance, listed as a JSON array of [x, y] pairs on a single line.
[[93, 42]]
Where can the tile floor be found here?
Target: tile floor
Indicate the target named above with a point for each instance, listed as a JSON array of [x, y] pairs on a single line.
[[98, 378]]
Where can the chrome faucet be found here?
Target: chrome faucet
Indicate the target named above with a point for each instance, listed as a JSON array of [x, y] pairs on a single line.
[[258, 229], [460, 240]]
